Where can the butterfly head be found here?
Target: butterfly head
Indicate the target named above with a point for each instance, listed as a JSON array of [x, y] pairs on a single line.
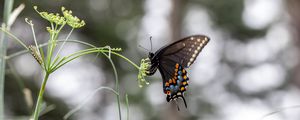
[[151, 55]]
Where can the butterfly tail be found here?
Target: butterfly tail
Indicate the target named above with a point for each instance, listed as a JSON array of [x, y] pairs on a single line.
[[184, 101]]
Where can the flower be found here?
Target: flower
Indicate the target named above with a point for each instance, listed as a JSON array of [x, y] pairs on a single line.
[[72, 21], [52, 17], [143, 70]]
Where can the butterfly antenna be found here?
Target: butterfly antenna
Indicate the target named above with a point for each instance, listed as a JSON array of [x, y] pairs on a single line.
[[151, 42], [143, 48]]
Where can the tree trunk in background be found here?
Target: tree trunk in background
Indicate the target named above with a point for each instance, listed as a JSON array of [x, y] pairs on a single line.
[[175, 22], [293, 8], [176, 17]]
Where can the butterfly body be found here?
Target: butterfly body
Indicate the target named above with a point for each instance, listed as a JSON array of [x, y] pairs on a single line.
[[172, 61]]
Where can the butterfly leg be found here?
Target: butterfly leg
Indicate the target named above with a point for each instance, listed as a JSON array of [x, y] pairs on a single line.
[[152, 69]]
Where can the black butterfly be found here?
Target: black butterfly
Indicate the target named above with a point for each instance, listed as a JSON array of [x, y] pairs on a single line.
[[171, 62]]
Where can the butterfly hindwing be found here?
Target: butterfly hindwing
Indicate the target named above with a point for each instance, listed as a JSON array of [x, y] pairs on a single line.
[[183, 52]]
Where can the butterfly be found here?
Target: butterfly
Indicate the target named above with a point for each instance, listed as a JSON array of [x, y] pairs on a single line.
[[172, 61]]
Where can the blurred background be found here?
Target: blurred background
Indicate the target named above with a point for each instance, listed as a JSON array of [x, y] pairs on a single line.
[[249, 69]]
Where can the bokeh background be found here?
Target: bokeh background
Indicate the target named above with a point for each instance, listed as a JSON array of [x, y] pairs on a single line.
[[249, 69]]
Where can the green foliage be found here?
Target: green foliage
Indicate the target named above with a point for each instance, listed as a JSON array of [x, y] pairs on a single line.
[[50, 63]]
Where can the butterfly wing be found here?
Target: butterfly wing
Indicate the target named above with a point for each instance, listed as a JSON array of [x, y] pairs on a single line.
[[174, 58], [185, 50]]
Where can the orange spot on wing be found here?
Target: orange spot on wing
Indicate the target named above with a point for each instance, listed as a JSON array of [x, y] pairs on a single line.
[[184, 83], [170, 81], [183, 71], [185, 77], [177, 65], [182, 88], [167, 84]]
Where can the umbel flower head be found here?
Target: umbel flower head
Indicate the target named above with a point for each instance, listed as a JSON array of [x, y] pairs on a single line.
[[67, 17], [72, 21], [52, 17], [143, 70]]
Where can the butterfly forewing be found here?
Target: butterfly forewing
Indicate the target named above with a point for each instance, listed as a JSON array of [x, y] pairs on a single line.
[[185, 50]]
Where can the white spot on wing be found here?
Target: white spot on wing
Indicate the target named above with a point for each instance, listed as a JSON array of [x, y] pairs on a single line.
[[192, 59], [196, 51], [205, 39], [194, 55]]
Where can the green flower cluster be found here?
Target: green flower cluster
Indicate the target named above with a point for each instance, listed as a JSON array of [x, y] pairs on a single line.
[[143, 70], [72, 21], [67, 17], [116, 49], [52, 17]]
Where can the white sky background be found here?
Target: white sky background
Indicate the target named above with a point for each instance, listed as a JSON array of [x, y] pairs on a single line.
[[77, 79]]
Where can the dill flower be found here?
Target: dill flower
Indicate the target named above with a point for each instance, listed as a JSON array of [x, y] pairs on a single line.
[[143, 70]]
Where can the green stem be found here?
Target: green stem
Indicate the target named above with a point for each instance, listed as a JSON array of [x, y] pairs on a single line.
[[117, 93], [13, 37], [40, 98], [117, 85], [127, 106], [125, 58], [34, 38], [43, 45], [8, 4], [87, 99], [64, 43], [73, 56], [3, 43]]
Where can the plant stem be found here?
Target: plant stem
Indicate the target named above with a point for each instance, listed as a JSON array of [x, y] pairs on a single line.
[[8, 4], [125, 58], [3, 44], [4, 30], [64, 42], [87, 99], [40, 98], [34, 38], [117, 85], [127, 106]]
